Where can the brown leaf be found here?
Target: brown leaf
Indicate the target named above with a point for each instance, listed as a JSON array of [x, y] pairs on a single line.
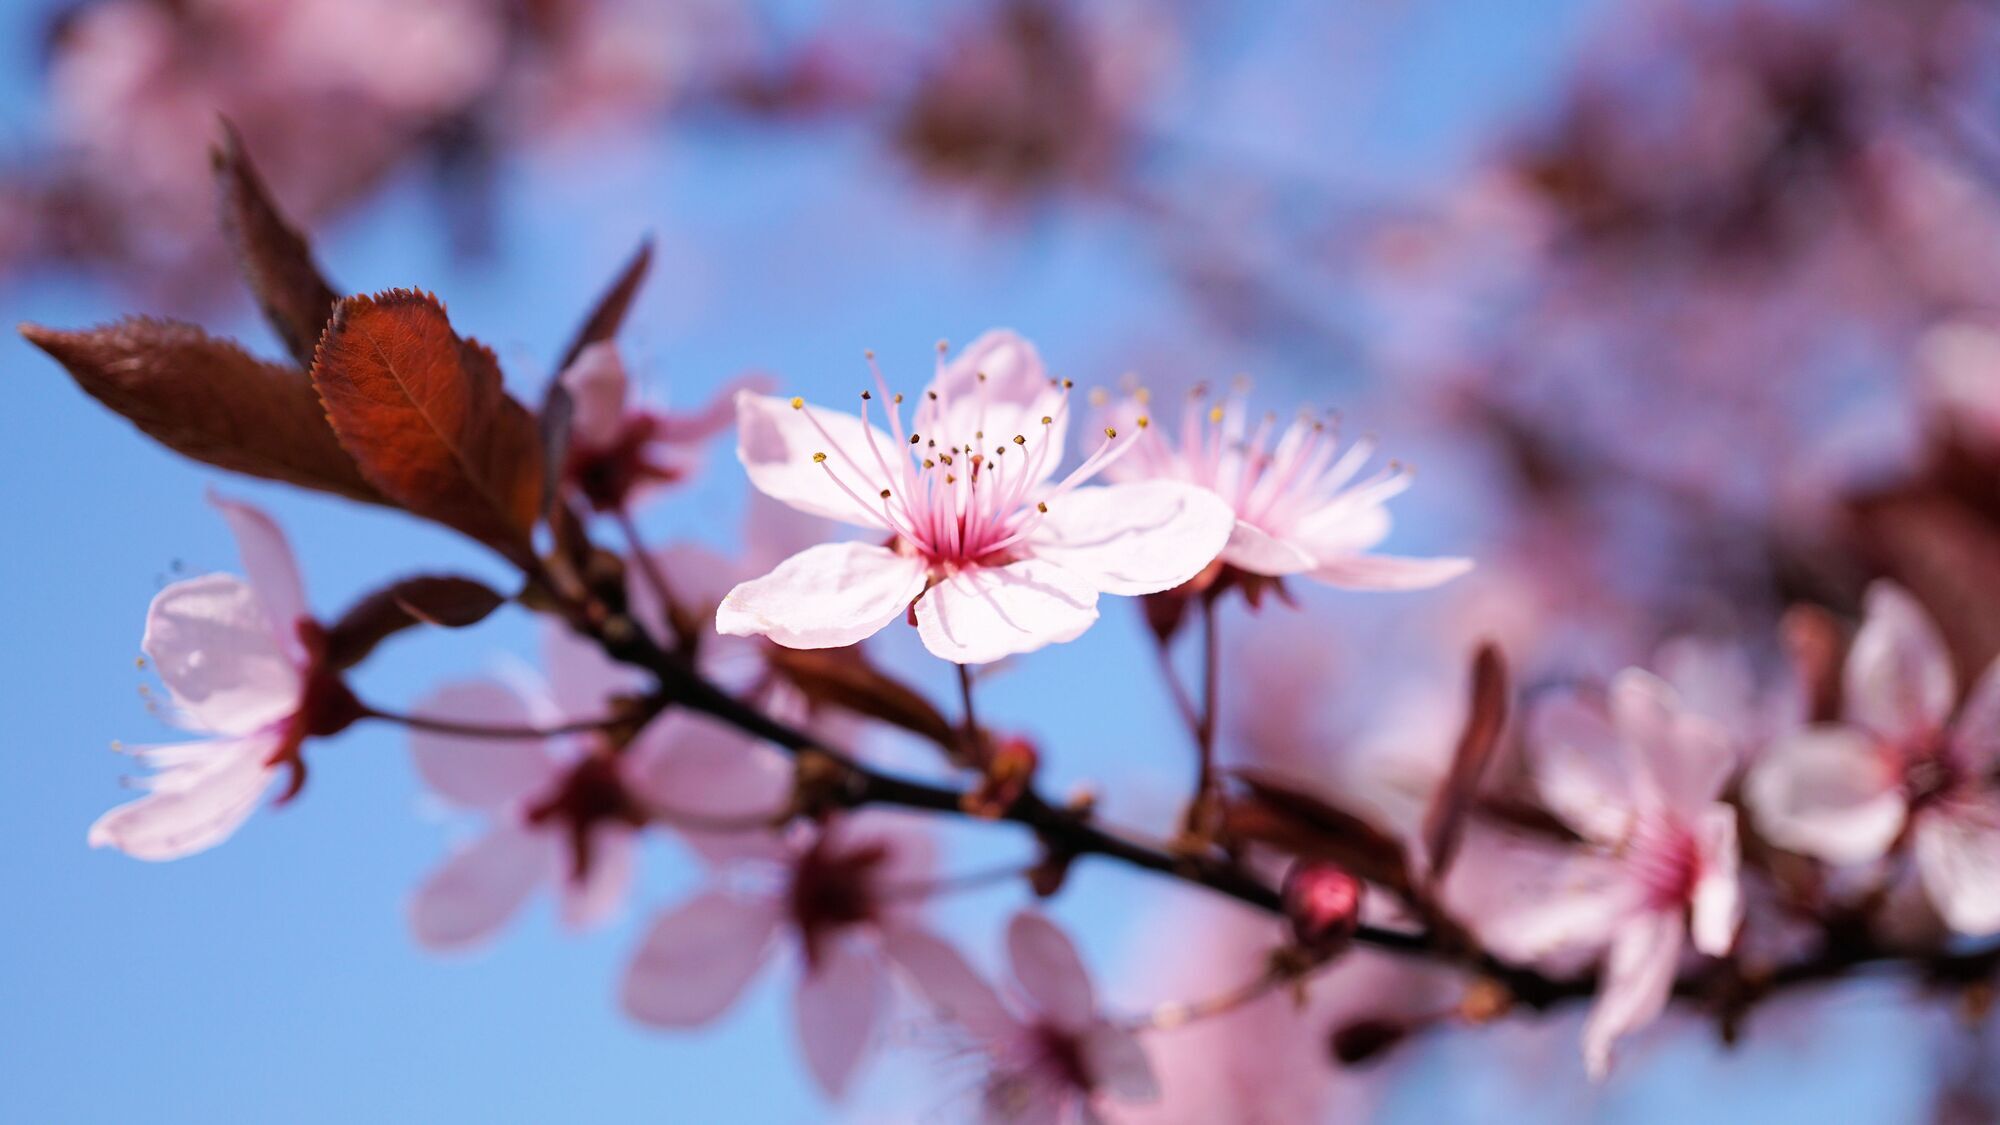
[[612, 305], [1444, 822], [426, 416], [446, 601], [273, 254], [1284, 815], [846, 678], [209, 399]]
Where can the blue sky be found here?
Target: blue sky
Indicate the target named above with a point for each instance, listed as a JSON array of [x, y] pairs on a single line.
[[273, 978]]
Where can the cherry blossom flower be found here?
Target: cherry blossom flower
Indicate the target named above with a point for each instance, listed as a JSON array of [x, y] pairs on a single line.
[[1640, 786], [838, 896], [565, 811], [245, 663], [985, 555], [619, 448], [1901, 767], [1300, 504], [1051, 1055]]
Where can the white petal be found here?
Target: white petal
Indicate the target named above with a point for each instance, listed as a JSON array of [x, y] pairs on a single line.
[[598, 387], [1581, 768], [827, 596], [1528, 901], [698, 958], [474, 893], [1342, 528], [272, 569], [1389, 572], [776, 444], [1898, 678], [1829, 792], [838, 1005], [1134, 538], [581, 678], [1958, 857], [1975, 736], [1117, 1063], [613, 851], [1013, 398], [1638, 978], [215, 650], [1717, 911], [941, 974], [690, 766], [1685, 758], [981, 614], [479, 773], [1049, 971], [205, 792], [1251, 548]]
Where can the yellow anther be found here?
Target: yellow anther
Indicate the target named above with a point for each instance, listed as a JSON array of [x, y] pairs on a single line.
[[885, 494], [1143, 394], [1020, 439], [865, 396], [1144, 421], [1041, 506], [798, 403], [1098, 397], [1046, 420], [915, 438], [819, 458], [1109, 432], [1215, 414], [899, 398]]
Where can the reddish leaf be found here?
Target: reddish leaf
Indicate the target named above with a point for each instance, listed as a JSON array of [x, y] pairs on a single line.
[[428, 420], [845, 678], [446, 601], [612, 305], [274, 256], [210, 400], [1283, 815], [1444, 823]]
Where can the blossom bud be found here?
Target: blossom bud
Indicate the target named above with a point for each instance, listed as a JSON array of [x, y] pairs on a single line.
[[1323, 904]]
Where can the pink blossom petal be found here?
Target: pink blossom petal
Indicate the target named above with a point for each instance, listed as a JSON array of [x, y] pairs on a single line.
[[1975, 736], [1581, 768], [698, 958], [1135, 538], [204, 792], [958, 994], [1049, 971], [1899, 681], [1829, 792], [693, 770], [581, 679], [776, 444], [998, 387], [1684, 758], [213, 647], [1958, 858], [981, 614], [1343, 528], [1528, 901], [483, 885], [1638, 977], [1717, 910], [613, 853], [1251, 548], [698, 576], [479, 773], [1117, 1064], [598, 388], [1389, 572], [272, 569], [839, 1003], [827, 596], [686, 427]]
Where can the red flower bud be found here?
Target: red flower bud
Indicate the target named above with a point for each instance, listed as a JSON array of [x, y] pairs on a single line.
[[1323, 903]]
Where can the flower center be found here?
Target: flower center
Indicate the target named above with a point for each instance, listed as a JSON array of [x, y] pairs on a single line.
[[832, 890], [592, 793], [1667, 862], [1931, 774]]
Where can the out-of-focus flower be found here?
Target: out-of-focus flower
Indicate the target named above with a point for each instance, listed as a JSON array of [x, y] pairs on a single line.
[[1299, 507], [839, 894], [985, 555], [567, 810], [1640, 786], [244, 662], [619, 448], [1901, 767], [1051, 1054]]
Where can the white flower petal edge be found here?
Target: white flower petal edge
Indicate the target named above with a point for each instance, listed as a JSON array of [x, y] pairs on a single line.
[[1134, 539], [982, 614], [827, 596]]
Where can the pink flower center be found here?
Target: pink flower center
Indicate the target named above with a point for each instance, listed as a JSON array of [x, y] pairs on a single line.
[[957, 499], [1931, 771], [591, 794], [1665, 859], [1271, 478], [833, 889]]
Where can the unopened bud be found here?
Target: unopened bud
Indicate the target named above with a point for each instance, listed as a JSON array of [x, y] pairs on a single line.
[[1323, 904]]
